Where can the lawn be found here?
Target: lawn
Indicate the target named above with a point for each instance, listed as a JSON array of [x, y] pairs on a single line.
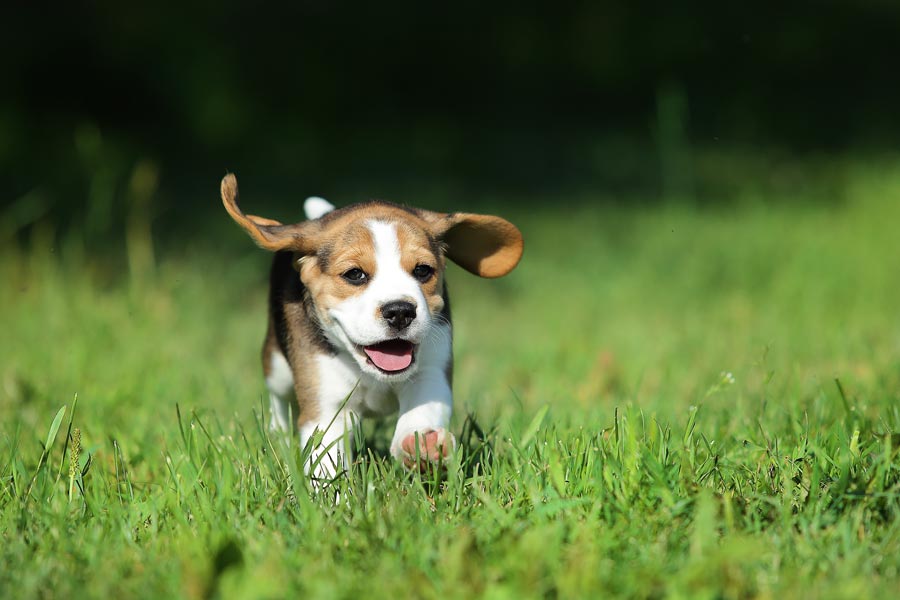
[[664, 400]]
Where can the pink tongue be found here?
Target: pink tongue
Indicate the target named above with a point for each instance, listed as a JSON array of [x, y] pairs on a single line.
[[393, 355]]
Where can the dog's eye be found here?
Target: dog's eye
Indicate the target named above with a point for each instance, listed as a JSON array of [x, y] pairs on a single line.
[[355, 276], [423, 273]]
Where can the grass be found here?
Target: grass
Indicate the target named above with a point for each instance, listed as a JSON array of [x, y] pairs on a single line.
[[660, 402]]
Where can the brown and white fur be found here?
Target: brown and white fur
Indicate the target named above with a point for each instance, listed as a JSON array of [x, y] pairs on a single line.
[[359, 321]]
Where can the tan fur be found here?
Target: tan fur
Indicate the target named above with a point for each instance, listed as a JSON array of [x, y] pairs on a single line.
[[415, 249], [267, 233], [307, 381], [304, 369], [485, 245], [354, 248], [300, 336]]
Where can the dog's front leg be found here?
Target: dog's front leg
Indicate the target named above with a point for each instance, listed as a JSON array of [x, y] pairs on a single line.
[[327, 415], [332, 439], [422, 437]]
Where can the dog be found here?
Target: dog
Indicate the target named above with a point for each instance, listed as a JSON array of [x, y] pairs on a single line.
[[359, 320]]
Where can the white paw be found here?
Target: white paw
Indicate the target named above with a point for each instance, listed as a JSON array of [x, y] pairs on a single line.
[[419, 450]]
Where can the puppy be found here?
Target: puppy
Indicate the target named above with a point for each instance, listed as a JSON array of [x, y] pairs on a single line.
[[359, 321]]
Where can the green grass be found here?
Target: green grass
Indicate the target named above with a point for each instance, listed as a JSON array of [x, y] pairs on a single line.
[[668, 402]]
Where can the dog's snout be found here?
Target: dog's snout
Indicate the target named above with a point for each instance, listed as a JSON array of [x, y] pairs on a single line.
[[399, 314]]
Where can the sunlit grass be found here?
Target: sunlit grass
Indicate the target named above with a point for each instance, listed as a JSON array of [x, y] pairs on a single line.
[[671, 401]]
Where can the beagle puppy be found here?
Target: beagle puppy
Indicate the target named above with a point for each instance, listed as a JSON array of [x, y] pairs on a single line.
[[359, 321]]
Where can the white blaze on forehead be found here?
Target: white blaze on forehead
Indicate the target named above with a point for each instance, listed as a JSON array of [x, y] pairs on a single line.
[[391, 281], [387, 245]]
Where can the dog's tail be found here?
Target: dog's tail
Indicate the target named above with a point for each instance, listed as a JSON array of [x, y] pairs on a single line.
[[315, 207]]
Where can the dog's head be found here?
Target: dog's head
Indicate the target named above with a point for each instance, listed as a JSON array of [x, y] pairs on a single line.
[[375, 270]]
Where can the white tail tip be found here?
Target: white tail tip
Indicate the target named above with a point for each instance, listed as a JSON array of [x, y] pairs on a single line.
[[315, 207]]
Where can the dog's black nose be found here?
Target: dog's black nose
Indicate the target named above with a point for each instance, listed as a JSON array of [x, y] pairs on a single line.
[[399, 314]]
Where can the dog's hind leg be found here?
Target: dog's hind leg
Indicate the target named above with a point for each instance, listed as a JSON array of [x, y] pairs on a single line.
[[282, 401]]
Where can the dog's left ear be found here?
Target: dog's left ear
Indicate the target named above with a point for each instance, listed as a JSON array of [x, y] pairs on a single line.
[[268, 233], [485, 245]]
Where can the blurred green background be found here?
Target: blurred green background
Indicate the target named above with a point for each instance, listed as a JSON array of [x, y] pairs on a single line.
[[626, 101], [709, 194]]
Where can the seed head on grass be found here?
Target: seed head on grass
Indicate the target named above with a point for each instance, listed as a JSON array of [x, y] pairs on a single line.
[[74, 457], [726, 379]]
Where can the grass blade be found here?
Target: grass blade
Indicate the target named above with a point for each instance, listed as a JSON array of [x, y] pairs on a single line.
[[535, 425]]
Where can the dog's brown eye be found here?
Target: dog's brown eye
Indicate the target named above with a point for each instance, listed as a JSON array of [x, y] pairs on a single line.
[[355, 276], [423, 273]]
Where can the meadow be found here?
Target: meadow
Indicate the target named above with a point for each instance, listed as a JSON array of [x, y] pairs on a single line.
[[679, 400]]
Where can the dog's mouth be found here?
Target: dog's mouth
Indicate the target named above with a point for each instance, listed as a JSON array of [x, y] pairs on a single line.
[[391, 356]]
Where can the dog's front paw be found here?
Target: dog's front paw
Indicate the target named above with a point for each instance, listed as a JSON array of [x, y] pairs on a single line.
[[420, 450]]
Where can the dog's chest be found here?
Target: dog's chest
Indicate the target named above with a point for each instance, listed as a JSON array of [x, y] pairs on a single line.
[[341, 381]]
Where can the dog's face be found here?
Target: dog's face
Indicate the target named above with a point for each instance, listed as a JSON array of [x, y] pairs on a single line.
[[375, 271], [376, 281]]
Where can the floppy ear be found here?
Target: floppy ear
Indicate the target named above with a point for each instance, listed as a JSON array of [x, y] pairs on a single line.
[[267, 233], [481, 244]]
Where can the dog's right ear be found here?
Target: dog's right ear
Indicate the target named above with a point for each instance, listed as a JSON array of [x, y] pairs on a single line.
[[268, 233], [484, 245]]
